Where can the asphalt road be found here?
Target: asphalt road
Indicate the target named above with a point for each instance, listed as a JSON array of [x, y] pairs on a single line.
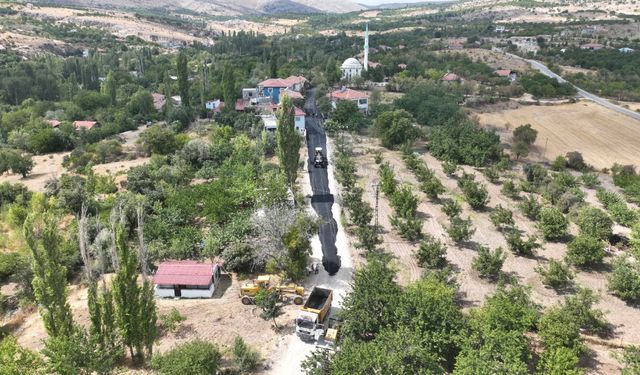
[[322, 199], [585, 94]]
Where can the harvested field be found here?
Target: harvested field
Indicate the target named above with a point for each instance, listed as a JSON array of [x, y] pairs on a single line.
[[604, 137], [494, 59], [45, 168]]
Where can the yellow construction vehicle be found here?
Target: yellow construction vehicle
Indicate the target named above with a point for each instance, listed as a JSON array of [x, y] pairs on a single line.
[[249, 290]]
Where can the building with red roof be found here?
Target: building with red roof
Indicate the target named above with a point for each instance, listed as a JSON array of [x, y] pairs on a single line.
[[54, 123], [87, 125], [451, 77], [506, 73], [158, 101], [360, 98], [186, 279]]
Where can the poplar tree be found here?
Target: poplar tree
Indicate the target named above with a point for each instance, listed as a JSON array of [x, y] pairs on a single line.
[[183, 79], [167, 95], [49, 275], [102, 331], [289, 140], [228, 85], [110, 88]]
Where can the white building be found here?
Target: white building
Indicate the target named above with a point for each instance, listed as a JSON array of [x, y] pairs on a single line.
[[351, 68], [186, 279], [270, 122]]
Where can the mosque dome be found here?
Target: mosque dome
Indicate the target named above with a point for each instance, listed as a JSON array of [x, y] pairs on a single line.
[[351, 63]]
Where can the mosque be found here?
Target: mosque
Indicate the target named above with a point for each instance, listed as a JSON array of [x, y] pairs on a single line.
[[352, 68]]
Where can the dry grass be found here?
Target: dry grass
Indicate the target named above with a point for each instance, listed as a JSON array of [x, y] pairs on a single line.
[[604, 137]]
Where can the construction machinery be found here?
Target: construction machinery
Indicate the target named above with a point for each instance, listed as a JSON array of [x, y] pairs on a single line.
[[310, 323], [289, 291], [319, 160]]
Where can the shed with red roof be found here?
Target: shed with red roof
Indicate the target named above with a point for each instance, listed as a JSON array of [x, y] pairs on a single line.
[[186, 279], [87, 125]]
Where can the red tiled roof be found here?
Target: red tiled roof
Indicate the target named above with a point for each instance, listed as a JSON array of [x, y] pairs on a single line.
[[372, 64], [54, 123], [84, 124], [503, 72], [295, 80], [450, 77], [241, 105], [293, 94], [299, 112], [184, 273], [348, 94], [275, 82]]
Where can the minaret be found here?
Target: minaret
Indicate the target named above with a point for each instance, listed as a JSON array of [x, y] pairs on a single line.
[[366, 48]]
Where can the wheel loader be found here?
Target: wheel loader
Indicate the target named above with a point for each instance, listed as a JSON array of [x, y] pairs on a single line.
[[290, 291]]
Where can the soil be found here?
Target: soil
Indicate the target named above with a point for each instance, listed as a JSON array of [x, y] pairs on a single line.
[[604, 137], [45, 168], [494, 59]]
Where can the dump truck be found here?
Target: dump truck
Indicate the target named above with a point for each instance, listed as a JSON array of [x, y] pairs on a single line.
[[310, 323], [319, 160], [290, 291]]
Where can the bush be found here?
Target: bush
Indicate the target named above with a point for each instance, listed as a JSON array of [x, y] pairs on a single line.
[[520, 247], [631, 359], [595, 222], [525, 134], [535, 173], [559, 163], [388, 181], [172, 320], [556, 275], [608, 198], [158, 140], [408, 228], [195, 357], [449, 167], [624, 280], [570, 199], [492, 174], [245, 359], [509, 189], [451, 208], [623, 215], [575, 161], [488, 263], [11, 264], [465, 143], [460, 230], [530, 207], [431, 253], [585, 250], [395, 128], [432, 188], [475, 194], [501, 217], [590, 180], [553, 224]]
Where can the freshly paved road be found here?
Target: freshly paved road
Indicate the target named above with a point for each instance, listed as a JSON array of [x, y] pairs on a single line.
[[322, 199], [585, 94]]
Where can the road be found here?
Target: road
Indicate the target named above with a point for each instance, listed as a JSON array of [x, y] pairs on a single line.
[[330, 245], [585, 94]]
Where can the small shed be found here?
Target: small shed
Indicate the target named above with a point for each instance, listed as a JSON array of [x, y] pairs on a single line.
[[186, 279]]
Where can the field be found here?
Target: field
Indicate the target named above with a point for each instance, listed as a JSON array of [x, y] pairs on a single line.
[[473, 290], [604, 137]]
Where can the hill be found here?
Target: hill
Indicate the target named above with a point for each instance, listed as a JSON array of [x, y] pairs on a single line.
[[221, 7]]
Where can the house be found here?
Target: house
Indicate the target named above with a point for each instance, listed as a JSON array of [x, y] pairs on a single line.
[[500, 29], [270, 122], [271, 88], [299, 121], [626, 50], [176, 100], [452, 77], [297, 83], [506, 73], [592, 46], [186, 279], [214, 105], [158, 101], [402, 66], [54, 123], [360, 98], [455, 45], [373, 65], [87, 125], [292, 94]]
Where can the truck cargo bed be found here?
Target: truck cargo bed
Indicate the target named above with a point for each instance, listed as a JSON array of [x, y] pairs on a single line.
[[318, 298]]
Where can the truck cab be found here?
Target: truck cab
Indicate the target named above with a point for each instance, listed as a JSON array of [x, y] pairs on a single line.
[[311, 320], [307, 326]]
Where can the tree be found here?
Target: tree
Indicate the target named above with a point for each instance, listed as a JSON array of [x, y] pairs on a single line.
[[475, 194], [245, 358], [110, 88], [269, 302], [288, 141], [17, 360], [451, 208], [519, 246], [509, 189], [530, 207], [388, 183], [520, 149], [624, 280], [595, 222], [460, 230], [432, 187], [183, 79], [553, 224], [525, 134], [228, 84], [556, 275], [368, 238], [298, 250], [431, 253], [196, 357], [103, 333], [348, 116], [16, 162], [585, 250], [488, 263], [158, 140], [395, 128], [501, 217], [49, 275], [141, 104]]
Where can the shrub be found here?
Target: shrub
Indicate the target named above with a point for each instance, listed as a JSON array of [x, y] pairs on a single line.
[[624, 280], [501, 217], [492, 174], [608, 198], [431, 253], [559, 163], [451, 208], [556, 275], [575, 161], [245, 358], [488, 263], [449, 168], [388, 181], [525, 134], [395, 128], [172, 320], [460, 230], [590, 180], [432, 188], [595, 222], [580, 308], [585, 250], [569, 200], [530, 207], [509, 189], [553, 224], [520, 247], [631, 359], [11, 263], [475, 194], [195, 357], [535, 173], [560, 360], [158, 140], [408, 228], [623, 215]]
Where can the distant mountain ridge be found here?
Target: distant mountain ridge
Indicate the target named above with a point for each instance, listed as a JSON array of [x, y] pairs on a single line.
[[221, 7]]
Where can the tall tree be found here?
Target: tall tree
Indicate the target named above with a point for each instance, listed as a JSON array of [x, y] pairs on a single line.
[[183, 79], [49, 275], [110, 88], [167, 94], [289, 141], [228, 84]]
